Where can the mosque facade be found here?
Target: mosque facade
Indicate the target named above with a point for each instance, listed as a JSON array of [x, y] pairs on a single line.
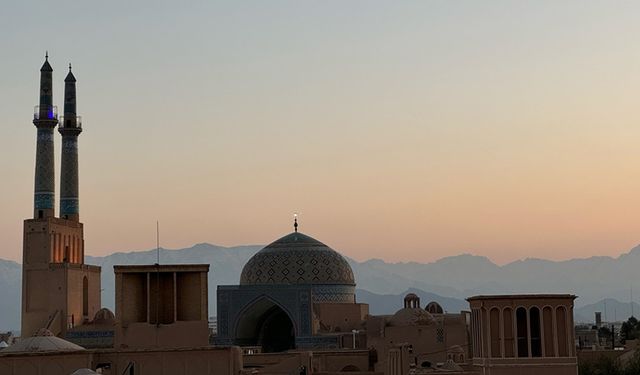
[[288, 286]]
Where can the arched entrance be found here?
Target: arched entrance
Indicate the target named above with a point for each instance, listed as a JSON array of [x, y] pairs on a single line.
[[276, 331], [267, 325]]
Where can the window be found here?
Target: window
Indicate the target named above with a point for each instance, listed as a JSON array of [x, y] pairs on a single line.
[[521, 330], [85, 297], [494, 322], [534, 328], [561, 321], [547, 322], [508, 333]]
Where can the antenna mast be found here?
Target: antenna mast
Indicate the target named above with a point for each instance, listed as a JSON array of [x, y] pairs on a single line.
[[157, 242], [157, 275]]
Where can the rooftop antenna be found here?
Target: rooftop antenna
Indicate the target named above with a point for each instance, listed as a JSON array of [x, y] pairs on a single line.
[[157, 242], [295, 222], [157, 275]]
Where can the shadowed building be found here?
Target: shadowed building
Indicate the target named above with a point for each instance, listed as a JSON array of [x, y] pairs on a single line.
[[432, 335], [59, 291], [161, 306]]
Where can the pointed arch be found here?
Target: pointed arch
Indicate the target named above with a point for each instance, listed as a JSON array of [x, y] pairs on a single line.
[[85, 297], [265, 322]]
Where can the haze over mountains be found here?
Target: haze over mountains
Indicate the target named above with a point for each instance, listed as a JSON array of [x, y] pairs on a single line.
[[382, 285]]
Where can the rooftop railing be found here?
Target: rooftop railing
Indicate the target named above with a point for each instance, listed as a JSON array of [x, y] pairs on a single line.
[[49, 112]]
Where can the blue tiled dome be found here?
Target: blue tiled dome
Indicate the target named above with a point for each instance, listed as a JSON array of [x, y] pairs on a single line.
[[297, 259]]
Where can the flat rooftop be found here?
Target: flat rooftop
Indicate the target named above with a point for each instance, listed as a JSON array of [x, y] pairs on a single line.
[[522, 296], [143, 268]]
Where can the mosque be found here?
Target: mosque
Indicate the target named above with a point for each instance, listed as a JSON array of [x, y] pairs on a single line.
[[294, 310]]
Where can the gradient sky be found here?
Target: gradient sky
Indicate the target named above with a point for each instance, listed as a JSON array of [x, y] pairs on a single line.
[[401, 130]]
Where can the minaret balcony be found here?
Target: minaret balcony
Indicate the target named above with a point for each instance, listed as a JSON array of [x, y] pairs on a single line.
[[49, 112], [66, 122]]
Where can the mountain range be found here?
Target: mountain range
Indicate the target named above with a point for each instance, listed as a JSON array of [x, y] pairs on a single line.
[[449, 280]]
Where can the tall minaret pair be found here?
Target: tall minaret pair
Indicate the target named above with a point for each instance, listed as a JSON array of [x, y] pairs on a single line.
[[59, 291], [46, 119]]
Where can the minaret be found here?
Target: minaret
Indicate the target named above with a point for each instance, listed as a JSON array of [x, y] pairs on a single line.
[[70, 128], [45, 118]]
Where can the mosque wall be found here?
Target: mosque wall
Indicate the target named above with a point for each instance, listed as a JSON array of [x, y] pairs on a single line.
[[339, 317], [83, 292]]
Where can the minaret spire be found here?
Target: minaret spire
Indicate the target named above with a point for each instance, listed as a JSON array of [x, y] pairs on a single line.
[[70, 128], [45, 118]]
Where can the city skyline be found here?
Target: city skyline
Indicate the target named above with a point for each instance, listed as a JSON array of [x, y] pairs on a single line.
[[452, 128]]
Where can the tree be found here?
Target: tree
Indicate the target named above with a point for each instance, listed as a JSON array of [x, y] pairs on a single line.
[[604, 332], [608, 366], [630, 329], [601, 366]]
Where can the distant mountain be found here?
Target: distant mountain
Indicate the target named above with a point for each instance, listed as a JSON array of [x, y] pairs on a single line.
[[449, 280], [465, 275], [612, 311], [10, 295]]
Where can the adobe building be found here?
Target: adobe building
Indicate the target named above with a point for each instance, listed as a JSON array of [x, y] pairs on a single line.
[[433, 336], [161, 306], [59, 291], [296, 293], [524, 334]]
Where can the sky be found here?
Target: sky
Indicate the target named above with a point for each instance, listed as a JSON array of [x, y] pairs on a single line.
[[400, 130]]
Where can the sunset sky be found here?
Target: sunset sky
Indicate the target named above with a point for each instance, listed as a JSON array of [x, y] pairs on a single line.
[[401, 130]]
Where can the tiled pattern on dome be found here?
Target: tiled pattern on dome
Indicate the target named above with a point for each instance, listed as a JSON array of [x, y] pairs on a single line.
[[334, 293], [305, 261]]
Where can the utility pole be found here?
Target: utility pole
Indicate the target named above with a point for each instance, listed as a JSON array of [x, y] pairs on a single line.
[[613, 337]]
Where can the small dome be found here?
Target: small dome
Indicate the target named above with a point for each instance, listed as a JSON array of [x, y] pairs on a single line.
[[411, 300], [297, 259], [84, 371], [104, 315], [43, 344], [411, 316], [434, 308]]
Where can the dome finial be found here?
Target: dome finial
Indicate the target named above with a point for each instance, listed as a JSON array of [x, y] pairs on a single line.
[[69, 67], [46, 55], [295, 222]]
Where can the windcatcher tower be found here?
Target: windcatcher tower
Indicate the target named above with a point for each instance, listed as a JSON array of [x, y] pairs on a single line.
[[59, 291]]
